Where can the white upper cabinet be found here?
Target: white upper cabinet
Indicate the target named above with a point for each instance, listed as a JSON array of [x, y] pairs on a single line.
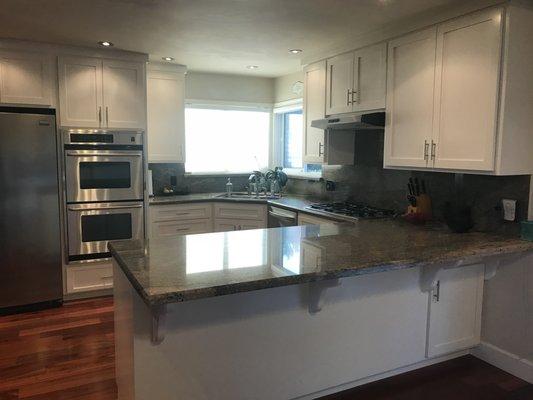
[[95, 93], [25, 78], [357, 81], [370, 78], [123, 92], [410, 83], [165, 117], [80, 92], [339, 83], [466, 92], [314, 101]]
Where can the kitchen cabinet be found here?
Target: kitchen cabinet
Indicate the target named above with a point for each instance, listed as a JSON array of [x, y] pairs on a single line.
[[356, 81], [26, 78], [96, 93], [313, 109], [225, 225], [165, 114], [257, 212], [307, 219], [124, 94], [455, 310], [410, 86], [455, 95], [180, 219], [89, 277], [466, 92]]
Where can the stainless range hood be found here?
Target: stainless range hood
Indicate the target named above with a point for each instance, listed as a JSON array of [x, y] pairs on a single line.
[[355, 121]]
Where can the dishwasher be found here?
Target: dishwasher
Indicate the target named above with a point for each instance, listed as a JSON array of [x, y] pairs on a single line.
[[279, 217]]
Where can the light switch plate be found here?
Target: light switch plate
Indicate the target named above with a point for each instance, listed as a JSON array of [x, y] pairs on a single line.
[[509, 209]]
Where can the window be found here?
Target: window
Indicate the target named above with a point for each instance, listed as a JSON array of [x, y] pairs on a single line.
[[226, 139], [289, 140]]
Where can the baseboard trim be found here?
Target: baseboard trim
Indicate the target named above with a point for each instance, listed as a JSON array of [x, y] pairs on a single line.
[[502, 359], [377, 377]]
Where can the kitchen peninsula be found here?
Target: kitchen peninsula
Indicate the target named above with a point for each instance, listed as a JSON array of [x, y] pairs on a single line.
[[296, 312]]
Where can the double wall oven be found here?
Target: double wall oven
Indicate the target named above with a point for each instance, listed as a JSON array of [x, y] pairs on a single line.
[[104, 189]]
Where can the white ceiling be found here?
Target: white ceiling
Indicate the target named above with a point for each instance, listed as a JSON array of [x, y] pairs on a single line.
[[209, 35]]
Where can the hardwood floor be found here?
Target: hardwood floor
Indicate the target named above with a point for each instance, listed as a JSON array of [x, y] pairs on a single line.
[[68, 353]]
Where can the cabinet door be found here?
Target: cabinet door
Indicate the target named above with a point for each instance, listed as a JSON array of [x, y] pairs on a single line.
[[165, 117], [455, 310], [90, 277], [466, 92], [25, 78], [80, 92], [410, 83], [124, 94], [306, 219], [180, 227], [339, 84], [225, 225], [370, 78], [314, 108]]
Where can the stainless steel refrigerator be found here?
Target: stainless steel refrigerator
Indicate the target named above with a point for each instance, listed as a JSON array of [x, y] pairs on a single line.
[[30, 248]]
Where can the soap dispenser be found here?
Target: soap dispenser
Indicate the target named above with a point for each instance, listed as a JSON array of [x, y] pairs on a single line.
[[229, 188]]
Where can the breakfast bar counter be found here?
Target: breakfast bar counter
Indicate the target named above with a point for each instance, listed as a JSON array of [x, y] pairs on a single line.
[[298, 312]]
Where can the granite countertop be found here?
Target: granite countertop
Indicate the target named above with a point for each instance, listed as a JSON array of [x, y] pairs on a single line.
[[176, 269], [291, 202]]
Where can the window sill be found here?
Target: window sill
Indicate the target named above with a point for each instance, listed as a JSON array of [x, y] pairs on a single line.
[[216, 174], [310, 176]]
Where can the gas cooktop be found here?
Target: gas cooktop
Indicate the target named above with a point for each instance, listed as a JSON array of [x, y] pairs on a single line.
[[353, 210]]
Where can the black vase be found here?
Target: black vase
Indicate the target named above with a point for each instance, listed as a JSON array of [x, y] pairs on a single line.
[[458, 217]]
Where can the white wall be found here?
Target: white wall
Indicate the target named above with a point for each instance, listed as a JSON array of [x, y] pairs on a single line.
[[283, 87], [235, 88], [507, 322]]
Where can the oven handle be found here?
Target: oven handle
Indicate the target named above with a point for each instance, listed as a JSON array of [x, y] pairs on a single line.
[[70, 208], [75, 153]]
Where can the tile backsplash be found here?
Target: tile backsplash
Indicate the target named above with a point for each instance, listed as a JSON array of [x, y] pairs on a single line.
[[367, 181]]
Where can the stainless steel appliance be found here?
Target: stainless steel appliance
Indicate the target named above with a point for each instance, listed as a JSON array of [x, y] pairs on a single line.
[[91, 226], [352, 210], [279, 217], [104, 185], [30, 245], [353, 121], [103, 165]]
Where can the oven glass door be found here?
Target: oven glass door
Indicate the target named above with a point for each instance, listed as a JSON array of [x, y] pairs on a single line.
[[92, 226], [103, 175]]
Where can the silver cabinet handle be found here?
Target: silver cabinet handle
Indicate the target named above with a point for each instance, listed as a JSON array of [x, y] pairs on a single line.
[[436, 292], [320, 149], [100, 116], [181, 229], [426, 150], [107, 116], [349, 95], [356, 98], [433, 150]]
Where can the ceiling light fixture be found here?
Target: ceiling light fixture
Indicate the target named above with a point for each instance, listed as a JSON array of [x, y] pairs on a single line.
[[295, 51], [105, 44], [252, 66], [168, 58]]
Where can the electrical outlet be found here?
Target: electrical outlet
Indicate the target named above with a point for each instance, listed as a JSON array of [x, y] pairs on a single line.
[[509, 209]]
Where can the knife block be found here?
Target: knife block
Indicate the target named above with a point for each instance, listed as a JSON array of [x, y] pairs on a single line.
[[422, 210]]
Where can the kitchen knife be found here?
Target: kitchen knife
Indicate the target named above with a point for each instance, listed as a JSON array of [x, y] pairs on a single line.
[[417, 187], [423, 182]]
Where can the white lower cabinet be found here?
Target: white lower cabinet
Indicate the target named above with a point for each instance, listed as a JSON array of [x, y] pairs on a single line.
[[455, 310], [89, 277], [224, 225], [306, 219], [172, 228], [180, 219]]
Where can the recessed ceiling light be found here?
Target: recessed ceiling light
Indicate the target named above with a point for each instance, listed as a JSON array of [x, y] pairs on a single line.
[[168, 58], [105, 44], [295, 51], [252, 66]]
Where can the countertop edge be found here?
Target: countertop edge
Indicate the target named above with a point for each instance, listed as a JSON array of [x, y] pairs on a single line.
[[222, 290]]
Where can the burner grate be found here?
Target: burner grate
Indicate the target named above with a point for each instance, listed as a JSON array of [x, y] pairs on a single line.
[[355, 210]]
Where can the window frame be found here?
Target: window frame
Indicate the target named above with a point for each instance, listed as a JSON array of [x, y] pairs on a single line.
[[277, 141]]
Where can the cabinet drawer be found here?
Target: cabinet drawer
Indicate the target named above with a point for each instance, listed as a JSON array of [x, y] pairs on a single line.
[[174, 212], [225, 225], [87, 278], [306, 219], [240, 211], [174, 228]]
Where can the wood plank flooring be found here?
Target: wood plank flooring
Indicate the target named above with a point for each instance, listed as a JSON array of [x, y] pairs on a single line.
[[68, 353]]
